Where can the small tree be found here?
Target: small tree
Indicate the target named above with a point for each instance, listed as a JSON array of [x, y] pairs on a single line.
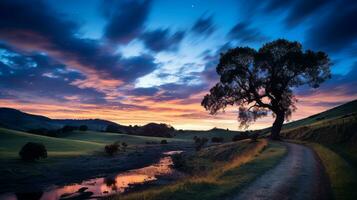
[[111, 149], [263, 81], [200, 143], [83, 128], [124, 146], [33, 151]]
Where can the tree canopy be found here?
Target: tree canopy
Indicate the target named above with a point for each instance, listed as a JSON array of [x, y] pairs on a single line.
[[260, 81]]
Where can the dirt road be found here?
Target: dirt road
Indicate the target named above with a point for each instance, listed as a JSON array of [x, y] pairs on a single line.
[[298, 176]]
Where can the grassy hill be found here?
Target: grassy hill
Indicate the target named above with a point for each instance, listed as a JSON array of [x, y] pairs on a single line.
[[336, 112], [17, 120], [11, 142], [106, 138], [72, 144]]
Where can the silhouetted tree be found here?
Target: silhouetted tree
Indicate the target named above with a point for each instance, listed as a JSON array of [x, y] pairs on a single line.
[[33, 151], [124, 146], [262, 81]]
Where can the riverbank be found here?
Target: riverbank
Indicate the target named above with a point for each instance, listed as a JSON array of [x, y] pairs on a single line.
[[20, 177]]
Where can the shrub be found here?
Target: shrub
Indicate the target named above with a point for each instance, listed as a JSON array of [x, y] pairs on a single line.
[[200, 142], [124, 146], [33, 151], [83, 128], [217, 139], [254, 137], [163, 142], [111, 149], [178, 161]]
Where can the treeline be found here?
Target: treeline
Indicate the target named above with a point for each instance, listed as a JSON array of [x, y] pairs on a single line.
[[151, 129], [57, 132]]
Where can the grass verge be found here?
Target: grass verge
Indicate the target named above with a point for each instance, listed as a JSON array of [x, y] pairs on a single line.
[[342, 175], [229, 167]]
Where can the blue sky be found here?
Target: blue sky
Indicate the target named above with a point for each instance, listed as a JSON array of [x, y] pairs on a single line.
[[147, 55]]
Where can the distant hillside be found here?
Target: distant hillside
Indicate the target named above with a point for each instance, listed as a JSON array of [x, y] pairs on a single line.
[[17, 120]]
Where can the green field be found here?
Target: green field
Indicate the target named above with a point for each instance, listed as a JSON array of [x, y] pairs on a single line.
[[73, 144], [106, 138], [12, 141]]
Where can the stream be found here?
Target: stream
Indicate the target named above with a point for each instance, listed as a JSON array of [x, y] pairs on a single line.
[[103, 186]]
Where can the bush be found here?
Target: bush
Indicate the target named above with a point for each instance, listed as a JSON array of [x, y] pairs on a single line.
[[124, 146], [217, 139], [111, 149], [254, 137], [163, 142], [178, 161], [200, 142], [83, 128], [33, 151]]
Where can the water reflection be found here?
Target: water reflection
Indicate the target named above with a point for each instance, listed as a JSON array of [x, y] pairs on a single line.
[[104, 186]]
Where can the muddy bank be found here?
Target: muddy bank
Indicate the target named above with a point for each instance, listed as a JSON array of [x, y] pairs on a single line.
[[63, 171]]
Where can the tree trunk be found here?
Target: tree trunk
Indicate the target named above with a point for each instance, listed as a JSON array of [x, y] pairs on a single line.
[[278, 123]]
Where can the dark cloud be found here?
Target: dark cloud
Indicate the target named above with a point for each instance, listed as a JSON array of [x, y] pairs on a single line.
[[144, 91], [333, 27], [174, 91], [35, 26], [43, 76], [303, 9], [204, 26], [274, 5], [126, 19], [162, 40], [337, 31], [243, 32], [131, 68]]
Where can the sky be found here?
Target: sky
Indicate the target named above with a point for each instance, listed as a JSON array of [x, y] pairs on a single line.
[[141, 61]]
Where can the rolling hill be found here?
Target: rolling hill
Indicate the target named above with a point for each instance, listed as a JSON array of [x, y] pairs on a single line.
[[17, 120], [334, 126]]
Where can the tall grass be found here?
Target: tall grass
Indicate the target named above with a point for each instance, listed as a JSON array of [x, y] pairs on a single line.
[[225, 178], [342, 175], [331, 131]]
